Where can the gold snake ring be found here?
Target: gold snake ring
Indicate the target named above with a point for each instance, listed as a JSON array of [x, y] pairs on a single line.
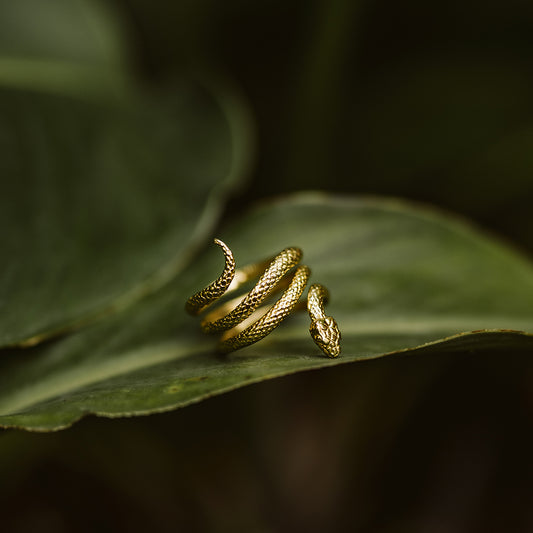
[[241, 318]]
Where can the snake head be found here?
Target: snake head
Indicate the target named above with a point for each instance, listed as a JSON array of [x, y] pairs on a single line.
[[326, 335]]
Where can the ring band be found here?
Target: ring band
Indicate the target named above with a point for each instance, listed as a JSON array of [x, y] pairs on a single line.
[[242, 319]]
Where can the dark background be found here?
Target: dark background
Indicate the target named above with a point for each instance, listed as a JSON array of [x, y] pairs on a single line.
[[428, 101]]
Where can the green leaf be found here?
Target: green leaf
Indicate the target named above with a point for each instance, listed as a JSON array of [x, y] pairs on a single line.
[[101, 204], [62, 46], [401, 278]]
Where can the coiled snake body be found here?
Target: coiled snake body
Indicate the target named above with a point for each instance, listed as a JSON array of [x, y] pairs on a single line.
[[242, 321]]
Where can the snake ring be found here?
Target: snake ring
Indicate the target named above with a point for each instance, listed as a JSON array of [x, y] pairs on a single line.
[[244, 322]]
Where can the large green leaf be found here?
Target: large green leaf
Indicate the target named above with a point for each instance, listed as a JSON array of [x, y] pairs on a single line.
[[62, 46], [100, 204], [401, 278]]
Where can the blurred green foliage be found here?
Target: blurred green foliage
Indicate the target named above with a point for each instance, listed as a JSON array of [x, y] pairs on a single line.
[[424, 100], [415, 99]]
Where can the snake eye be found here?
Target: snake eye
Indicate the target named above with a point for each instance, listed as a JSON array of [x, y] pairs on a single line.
[[320, 331], [317, 331], [330, 336]]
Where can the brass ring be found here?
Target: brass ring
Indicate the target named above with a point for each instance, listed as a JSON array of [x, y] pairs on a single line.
[[244, 322]]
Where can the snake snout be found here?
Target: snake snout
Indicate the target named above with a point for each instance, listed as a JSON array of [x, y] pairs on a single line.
[[326, 334]]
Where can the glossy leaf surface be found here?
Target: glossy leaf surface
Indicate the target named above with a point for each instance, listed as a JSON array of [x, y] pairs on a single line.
[[101, 203], [401, 278]]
